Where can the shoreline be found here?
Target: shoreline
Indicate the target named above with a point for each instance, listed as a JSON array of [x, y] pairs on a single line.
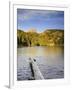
[[42, 46]]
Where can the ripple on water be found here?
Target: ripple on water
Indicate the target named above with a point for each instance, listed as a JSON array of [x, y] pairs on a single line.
[[50, 68]]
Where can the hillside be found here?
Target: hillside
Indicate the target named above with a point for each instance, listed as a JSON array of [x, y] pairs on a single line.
[[51, 37]]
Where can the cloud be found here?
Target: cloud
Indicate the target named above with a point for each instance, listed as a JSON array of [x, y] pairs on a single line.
[[37, 12], [40, 19], [25, 17], [26, 14]]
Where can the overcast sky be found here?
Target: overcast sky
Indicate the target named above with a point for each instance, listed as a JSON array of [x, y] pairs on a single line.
[[39, 19]]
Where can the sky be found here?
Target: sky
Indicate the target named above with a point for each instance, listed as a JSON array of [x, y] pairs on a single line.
[[40, 20]]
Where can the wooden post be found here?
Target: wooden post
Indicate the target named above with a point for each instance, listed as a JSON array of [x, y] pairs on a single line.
[[35, 70]]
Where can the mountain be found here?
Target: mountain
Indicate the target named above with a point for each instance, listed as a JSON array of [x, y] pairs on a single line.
[[32, 30], [52, 37]]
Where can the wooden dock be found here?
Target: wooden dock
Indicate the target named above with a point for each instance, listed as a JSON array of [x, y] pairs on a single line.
[[36, 73]]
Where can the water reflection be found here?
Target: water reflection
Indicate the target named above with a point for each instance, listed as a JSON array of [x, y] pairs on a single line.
[[40, 51], [49, 59]]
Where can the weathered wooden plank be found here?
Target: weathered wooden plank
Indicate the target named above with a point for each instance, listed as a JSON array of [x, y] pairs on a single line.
[[36, 73]]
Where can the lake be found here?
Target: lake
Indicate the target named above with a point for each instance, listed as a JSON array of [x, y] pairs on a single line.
[[50, 61]]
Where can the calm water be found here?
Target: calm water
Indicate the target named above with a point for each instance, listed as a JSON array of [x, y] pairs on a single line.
[[50, 61]]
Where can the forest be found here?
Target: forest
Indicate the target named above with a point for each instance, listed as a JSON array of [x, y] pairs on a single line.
[[52, 37]]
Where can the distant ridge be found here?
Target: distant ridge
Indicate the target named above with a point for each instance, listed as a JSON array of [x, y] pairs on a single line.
[[50, 37], [53, 30], [47, 30], [32, 30]]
